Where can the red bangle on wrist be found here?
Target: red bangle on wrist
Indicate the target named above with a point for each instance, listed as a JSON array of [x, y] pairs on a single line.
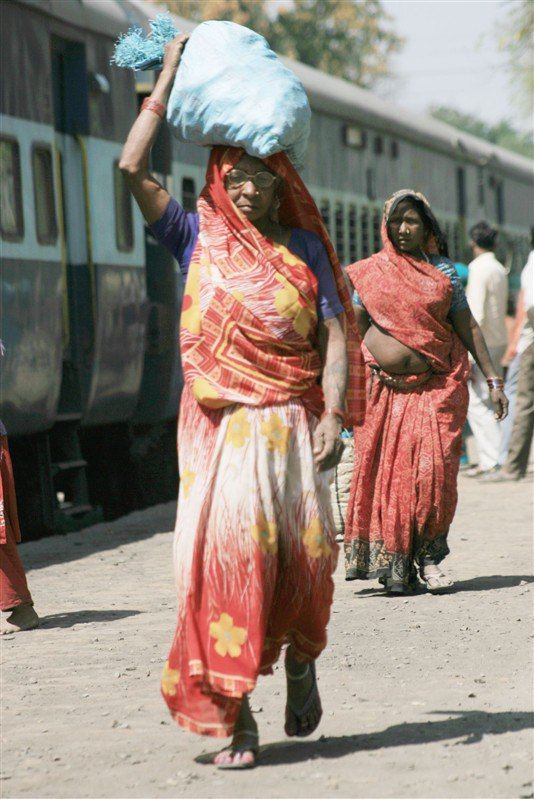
[[334, 412], [149, 104]]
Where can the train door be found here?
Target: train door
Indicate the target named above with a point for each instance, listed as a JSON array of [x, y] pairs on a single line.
[[71, 122]]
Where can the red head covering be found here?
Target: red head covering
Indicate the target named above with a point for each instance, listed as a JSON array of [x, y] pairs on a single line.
[[408, 296], [285, 361]]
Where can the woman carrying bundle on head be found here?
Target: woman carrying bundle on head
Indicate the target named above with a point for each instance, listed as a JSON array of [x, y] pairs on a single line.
[[264, 358], [416, 327]]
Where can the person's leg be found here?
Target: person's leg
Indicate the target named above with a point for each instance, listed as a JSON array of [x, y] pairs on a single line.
[[510, 389], [15, 597], [523, 427], [482, 421], [304, 711], [244, 747]]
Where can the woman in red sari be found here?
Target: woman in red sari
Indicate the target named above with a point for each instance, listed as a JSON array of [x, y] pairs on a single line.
[[264, 357], [416, 329]]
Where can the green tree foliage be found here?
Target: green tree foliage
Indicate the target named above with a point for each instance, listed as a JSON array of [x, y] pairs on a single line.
[[502, 134], [516, 38], [351, 39]]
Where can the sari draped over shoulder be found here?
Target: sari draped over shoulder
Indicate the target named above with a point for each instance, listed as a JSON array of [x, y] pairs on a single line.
[[254, 547], [403, 494]]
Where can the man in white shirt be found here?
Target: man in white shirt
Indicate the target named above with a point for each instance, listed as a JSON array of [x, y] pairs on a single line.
[[522, 351], [487, 295]]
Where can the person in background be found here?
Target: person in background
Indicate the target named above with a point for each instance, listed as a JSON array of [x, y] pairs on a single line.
[[487, 295], [417, 329], [520, 357], [15, 597], [462, 270]]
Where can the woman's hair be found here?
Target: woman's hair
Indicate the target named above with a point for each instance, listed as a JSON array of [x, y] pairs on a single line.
[[430, 222]]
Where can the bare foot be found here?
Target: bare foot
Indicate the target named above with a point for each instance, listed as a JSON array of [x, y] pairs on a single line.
[[23, 617], [242, 751], [303, 708]]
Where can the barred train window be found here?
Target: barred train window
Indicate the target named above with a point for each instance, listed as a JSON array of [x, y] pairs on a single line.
[[340, 232], [364, 225], [377, 238], [11, 218], [43, 192], [353, 235], [189, 195], [325, 213], [124, 235]]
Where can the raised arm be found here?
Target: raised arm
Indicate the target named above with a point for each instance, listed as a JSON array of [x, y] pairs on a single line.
[[470, 334], [327, 445], [150, 195]]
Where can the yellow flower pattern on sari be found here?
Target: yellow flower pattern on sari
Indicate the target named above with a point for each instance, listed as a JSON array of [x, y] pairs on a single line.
[[204, 393], [287, 303], [277, 434], [169, 680], [229, 638], [190, 317], [315, 540], [187, 478], [238, 431], [266, 535]]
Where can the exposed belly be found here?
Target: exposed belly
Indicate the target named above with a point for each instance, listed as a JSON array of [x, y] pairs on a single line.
[[391, 355]]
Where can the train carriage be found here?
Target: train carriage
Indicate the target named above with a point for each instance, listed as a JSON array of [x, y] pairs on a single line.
[[90, 302]]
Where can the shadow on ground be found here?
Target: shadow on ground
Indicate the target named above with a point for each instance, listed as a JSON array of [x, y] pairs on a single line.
[[105, 536], [486, 582], [85, 617], [469, 726]]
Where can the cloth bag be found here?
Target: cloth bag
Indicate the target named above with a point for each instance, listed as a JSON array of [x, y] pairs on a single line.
[[231, 88]]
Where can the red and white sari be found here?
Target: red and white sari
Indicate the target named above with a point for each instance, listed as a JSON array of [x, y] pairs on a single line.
[[254, 545]]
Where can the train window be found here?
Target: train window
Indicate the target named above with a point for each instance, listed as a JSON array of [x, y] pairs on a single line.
[[340, 232], [364, 226], [353, 234], [354, 137], [456, 242], [378, 145], [461, 198], [499, 202], [394, 150], [124, 234], [370, 183], [377, 239], [11, 218], [43, 192], [481, 186], [325, 213], [189, 195]]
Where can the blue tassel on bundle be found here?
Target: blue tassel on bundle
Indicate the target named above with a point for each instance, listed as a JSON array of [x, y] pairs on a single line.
[[138, 51]]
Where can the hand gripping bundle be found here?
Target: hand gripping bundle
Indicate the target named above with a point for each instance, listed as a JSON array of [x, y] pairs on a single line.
[[230, 88]]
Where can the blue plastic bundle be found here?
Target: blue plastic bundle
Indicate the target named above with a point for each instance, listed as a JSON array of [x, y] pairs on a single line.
[[230, 88], [138, 51]]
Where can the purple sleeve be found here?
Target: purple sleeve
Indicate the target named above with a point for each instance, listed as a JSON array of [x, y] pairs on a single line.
[[311, 249], [178, 232]]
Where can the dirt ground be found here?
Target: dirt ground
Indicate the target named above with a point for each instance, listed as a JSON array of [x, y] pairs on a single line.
[[424, 696]]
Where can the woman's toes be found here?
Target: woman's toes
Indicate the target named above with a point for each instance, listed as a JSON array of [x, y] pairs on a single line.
[[223, 758], [244, 758]]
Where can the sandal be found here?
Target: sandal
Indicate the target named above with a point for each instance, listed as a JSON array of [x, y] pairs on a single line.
[[437, 583], [240, 765], [299, 713]]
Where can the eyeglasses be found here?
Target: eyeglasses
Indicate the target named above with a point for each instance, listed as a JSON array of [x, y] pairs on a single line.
[[238, 177]]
